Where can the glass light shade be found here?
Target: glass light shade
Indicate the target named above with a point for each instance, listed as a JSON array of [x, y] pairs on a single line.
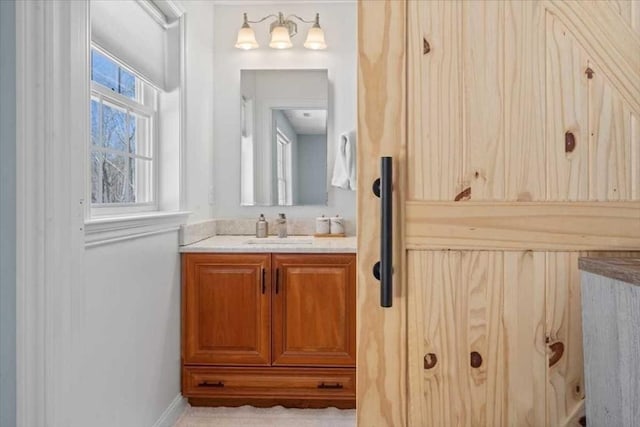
[[315, 39], [280, 38], [246, 38]]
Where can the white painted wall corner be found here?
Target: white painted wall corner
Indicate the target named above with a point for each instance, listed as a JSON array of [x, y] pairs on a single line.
[[173, 412]]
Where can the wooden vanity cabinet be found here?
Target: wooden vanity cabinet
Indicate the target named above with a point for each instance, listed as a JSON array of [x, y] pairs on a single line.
[[313, 310], [226, 318], [269, 329]]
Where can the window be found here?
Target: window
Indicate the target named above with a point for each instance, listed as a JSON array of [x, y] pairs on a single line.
[[283, 154], [123, 116]]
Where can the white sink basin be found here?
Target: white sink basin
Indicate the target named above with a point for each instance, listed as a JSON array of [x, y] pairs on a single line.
[[280, 241]]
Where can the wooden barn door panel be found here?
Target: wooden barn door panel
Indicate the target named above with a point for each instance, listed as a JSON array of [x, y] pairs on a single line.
[[482, 317], [519, 155]]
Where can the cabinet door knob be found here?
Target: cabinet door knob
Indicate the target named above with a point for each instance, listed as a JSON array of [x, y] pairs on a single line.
[[264, 286], [277, 280]]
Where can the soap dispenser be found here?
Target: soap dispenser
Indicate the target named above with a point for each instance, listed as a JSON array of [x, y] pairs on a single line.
[[262, 227], [282, 225]]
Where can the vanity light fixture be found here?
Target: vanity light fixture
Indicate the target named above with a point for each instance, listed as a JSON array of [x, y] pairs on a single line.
[[282, 29]]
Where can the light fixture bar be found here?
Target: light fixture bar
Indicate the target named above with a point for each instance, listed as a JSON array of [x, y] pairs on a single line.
[[281, 30]]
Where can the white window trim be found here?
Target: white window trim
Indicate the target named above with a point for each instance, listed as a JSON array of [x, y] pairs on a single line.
[[141, 108], [110, 224], [121, 100], [283, 149], [100, 231]]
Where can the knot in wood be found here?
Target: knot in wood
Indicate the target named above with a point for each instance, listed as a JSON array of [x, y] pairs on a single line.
[[426, 47], [589, 72], [476, 359], [463, 195], [557, 350], [569, 142], [430, 360]]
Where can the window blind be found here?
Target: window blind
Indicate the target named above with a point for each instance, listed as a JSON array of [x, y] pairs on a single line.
[[126, 30]]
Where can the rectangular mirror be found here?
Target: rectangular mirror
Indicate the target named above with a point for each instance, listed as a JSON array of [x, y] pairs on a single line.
[[283, 143]]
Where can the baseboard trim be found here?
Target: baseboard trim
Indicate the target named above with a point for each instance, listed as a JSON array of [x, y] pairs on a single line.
[[172, 413]]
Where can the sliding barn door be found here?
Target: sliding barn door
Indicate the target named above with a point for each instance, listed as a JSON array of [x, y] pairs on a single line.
[[515, 133]]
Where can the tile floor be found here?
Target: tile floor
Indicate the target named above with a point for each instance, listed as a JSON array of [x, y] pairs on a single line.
[[248, 416]]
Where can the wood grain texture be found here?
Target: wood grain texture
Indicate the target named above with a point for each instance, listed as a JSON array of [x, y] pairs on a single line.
[[273, 385], [423, 401], [610, 41], [511, 96], [490, 303], [436, 392], [565, 383], [635, 156], [566, 112], [524, 101], [624, 269], [610, 141], [435, 100], [313, 310], [483, 81], [520, 225], [622, 8], [482, 309], [381, 336], [611, 312], [500, 111], [524, 324], [220, 290]]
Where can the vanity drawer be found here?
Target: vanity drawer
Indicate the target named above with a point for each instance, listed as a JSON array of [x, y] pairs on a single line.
[[283, 383]]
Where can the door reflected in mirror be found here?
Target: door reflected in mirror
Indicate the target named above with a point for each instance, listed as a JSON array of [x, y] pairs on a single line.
[[284, 137]]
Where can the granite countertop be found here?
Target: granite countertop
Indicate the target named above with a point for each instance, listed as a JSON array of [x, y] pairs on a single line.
[[296, 244], [624, 269]]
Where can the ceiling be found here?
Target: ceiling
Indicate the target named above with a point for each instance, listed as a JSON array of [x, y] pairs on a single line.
[[308, 122]]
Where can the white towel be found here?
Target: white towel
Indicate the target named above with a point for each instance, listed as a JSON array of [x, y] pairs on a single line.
[[344, 168]]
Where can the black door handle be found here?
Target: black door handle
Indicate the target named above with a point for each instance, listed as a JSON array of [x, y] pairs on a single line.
[[277, 280], [383, 269], [264, 286]]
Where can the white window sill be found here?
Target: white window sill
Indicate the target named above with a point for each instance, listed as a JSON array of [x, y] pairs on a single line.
[[100, 231]]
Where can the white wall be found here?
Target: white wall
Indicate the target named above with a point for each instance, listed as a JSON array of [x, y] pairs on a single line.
[[199, 109], [131, 343], [339, 22], [311, 160], [7, 215], [131, 302]]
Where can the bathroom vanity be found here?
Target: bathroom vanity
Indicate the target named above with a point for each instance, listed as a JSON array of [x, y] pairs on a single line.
[[269, 321]]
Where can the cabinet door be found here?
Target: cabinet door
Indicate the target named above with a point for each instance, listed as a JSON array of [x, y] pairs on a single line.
[[226, 309], [314, 310]]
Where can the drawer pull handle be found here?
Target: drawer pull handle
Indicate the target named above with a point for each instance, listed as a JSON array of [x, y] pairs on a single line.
[[330, 386], [264, 285], [208, 384]]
